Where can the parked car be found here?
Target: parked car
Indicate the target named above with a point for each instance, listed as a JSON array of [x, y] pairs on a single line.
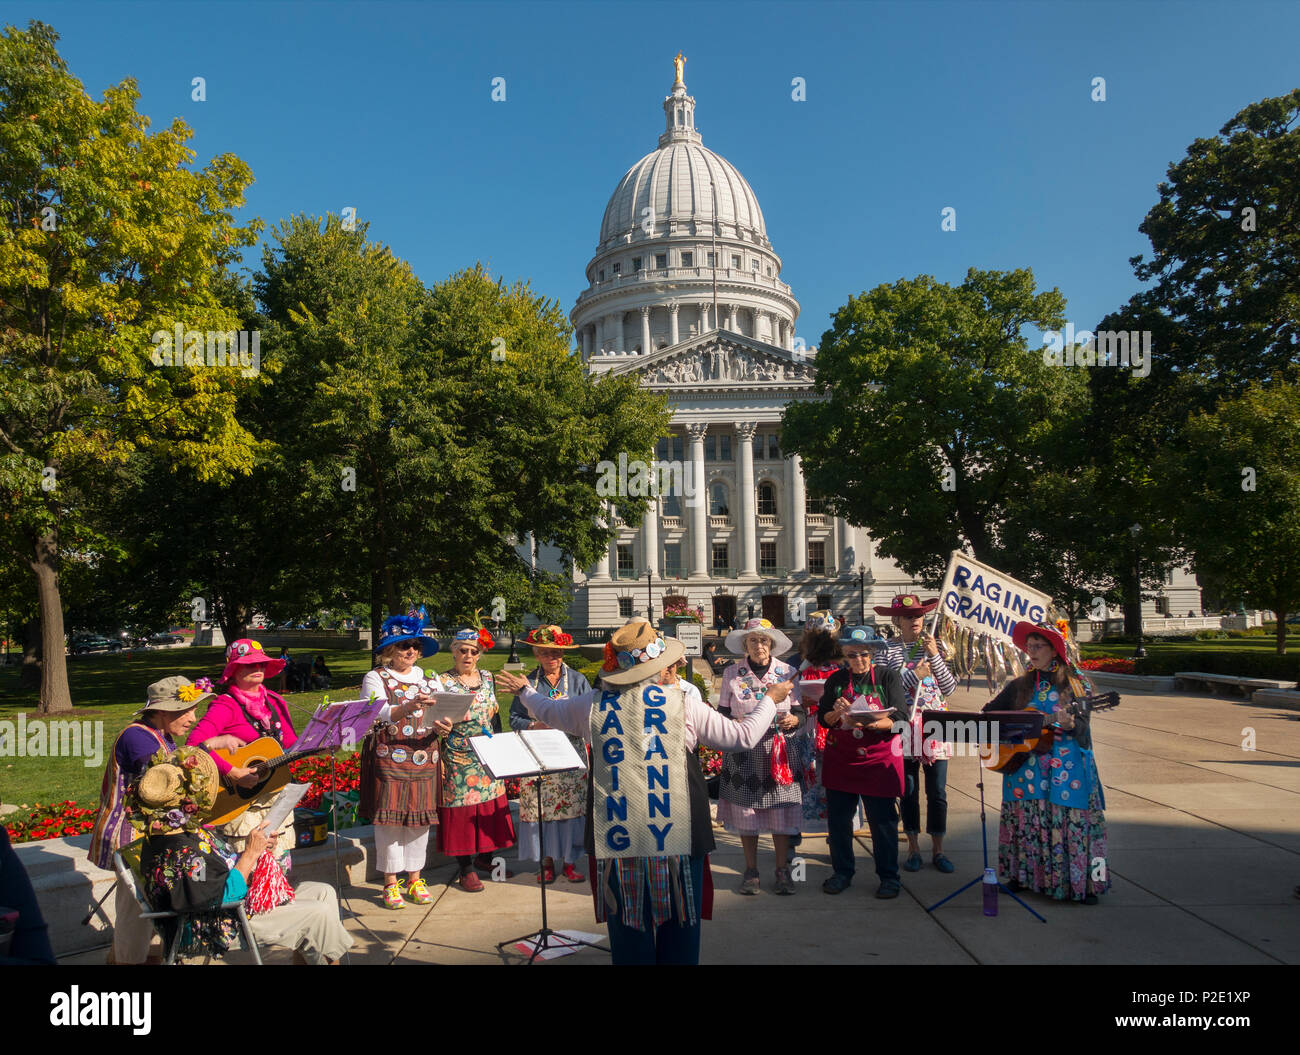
[[82, 644], [166, 639]]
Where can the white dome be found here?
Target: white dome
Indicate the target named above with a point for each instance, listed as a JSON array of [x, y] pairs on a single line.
[[677, 182]]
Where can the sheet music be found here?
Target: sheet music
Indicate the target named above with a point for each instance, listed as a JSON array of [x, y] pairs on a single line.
[[453, 705], [284, 805], [552, 749]]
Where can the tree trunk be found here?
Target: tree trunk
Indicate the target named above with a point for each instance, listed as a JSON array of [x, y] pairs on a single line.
[[1281, 632], [55, 697], [29, 677], [376, 609]]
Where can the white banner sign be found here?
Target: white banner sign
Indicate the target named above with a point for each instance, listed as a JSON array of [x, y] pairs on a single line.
[[986, 600], [641, 805]]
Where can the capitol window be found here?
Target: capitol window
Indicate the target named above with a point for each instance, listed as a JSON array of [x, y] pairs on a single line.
[[672, 506], [724, 453], [735, 260], [617, 268], [688, 259], [720, 556], [672, 560], [758, 446], [767, 556], [625, 608], [815, 505], [636, 263], [718, 505], [661, 260], [602, 275], [817, 561], [713, 260], [773, 448], [753, 265], [766, 500]]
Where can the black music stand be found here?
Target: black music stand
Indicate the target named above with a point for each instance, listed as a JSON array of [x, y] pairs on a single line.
[[545, 938], [992, 727]]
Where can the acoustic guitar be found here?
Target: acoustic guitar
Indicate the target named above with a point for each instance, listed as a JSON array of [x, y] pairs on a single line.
[[271, 762], [1011, 756]]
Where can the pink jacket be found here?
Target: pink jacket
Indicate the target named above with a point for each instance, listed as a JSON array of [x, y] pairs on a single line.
[[224, 715]]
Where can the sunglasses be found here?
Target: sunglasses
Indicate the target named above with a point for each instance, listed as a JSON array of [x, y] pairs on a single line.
[[464, 651], [406, 646]]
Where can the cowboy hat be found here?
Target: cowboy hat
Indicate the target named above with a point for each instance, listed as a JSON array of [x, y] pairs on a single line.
[[906, 604]]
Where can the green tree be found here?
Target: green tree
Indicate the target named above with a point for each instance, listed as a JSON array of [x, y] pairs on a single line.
[[109, 237], [1235, 486], [939, 419]]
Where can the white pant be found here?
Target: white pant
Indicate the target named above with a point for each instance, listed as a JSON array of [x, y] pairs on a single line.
[[400, 849], [132, 933], [309, 922]]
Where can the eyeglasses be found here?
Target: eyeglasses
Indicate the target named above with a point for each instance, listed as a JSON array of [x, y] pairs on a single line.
[[467, 651], [406, 646]]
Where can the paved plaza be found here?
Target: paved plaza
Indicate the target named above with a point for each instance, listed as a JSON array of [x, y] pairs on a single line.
[[1204, 854]]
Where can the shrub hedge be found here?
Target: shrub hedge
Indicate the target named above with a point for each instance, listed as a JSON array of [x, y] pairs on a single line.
[[1245, 664]]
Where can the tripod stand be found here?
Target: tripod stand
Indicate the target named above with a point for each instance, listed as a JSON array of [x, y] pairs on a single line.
[[544, 938]]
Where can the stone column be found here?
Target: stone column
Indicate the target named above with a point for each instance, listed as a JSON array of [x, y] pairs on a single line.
[[650, 538], [798, 516], [645, 331], [762, 331], [731, 318], [699, 512], [599, 327], [748, 522], [704, 318], [672, 322], [614, 323]]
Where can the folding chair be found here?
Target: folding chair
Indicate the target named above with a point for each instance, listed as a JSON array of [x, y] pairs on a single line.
[[128, 858]]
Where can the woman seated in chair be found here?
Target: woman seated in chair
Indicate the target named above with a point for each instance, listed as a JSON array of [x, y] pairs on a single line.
[[189, 870]]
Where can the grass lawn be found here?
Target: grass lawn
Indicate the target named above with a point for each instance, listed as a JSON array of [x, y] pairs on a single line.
[[108, 689], [1264, 645]]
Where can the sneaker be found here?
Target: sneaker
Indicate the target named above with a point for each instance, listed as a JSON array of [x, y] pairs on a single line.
[[942, 863], [419, 892], [573, 875], [836, 884], [784, 884], [393, 896], [470, 882], [750, 884], [889, 888]]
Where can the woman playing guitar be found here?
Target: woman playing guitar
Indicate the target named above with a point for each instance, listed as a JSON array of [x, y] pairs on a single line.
[[1057, 790]]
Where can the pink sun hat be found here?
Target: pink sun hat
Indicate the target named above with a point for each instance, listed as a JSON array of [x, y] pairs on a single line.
[[245, 652]]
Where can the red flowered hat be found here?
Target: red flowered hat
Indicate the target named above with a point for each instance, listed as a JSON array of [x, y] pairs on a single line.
[[1053, 635], [906, 604], [246, 652], [549, 636]]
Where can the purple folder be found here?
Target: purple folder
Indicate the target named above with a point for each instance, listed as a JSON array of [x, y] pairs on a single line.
[[336, 724]]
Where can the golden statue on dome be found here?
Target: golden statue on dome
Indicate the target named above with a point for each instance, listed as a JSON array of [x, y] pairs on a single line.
[[679, 63]]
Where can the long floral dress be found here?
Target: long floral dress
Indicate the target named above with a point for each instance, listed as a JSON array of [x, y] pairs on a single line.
[[474, 816], [1052, 833]]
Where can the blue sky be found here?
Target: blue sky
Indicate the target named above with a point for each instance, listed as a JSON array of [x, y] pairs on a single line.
[[911, 107]]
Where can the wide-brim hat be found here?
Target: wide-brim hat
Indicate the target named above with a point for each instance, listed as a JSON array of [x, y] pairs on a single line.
[[549, 636], [862, 635], [247, 652], [1021, 632], [177, 790], [636, 652], [822, 620], [736, 639], [176, 694], [907, 604], [399, 628]]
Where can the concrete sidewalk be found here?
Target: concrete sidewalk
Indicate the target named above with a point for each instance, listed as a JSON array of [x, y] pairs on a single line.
[[1204, 853]]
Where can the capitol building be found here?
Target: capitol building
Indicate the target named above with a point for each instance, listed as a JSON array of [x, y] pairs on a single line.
[[684, 292]]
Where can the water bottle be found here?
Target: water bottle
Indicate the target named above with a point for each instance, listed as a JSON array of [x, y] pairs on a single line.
[[990, 892]]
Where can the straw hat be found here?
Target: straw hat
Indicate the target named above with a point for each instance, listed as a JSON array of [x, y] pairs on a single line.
[[549, 636], [636, 652], [175, 792]]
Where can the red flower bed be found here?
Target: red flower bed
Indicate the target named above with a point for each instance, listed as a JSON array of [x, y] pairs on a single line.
[[1109, 666], [316, 772], [710, 760], [51, 821]]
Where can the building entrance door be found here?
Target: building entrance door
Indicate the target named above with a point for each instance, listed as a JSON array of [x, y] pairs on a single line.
[[724, 609], [774, 608]]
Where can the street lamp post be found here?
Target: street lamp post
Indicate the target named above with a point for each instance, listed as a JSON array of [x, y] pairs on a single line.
[[862, 595], [1135, 530], [649, 596]]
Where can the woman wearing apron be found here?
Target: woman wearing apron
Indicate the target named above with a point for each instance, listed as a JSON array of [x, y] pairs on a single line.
[[863, 761]]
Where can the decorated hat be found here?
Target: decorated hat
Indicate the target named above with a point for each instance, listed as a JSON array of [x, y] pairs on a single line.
[[245, 652], [736, 639], [861, 635], [175, 793], [473, 636], [907, 604], [176, 694], [636, 652], [549, 636], [1054, 636], [822, 620], [398, 628]]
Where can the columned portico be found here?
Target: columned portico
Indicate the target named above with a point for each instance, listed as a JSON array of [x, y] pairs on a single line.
[[700, 509], [748, 517], [797, 517]]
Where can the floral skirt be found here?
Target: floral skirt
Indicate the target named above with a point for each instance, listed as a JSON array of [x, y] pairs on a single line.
[[476, 829], [1055, 850]]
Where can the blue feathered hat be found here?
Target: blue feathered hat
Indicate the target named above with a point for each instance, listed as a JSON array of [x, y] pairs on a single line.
[[405, 628]]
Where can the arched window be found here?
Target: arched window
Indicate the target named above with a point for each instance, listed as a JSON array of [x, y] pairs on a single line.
[[766, 500], [718, 504]]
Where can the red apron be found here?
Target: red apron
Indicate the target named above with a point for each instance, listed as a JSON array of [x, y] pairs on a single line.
[[868, 763]]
